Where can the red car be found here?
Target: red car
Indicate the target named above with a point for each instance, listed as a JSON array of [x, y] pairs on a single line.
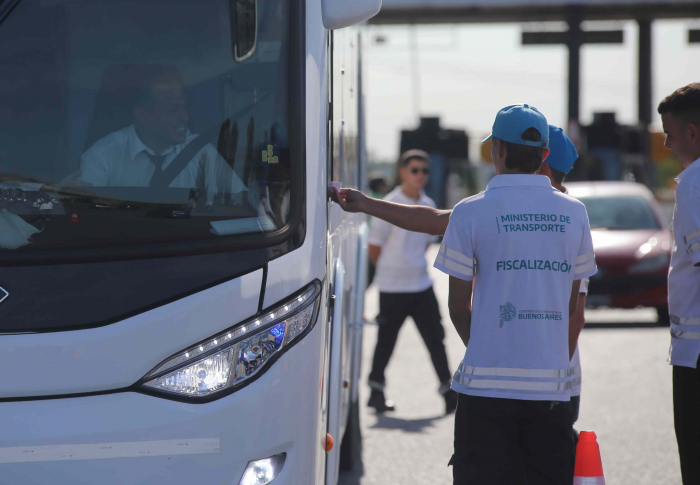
[[632, 243]]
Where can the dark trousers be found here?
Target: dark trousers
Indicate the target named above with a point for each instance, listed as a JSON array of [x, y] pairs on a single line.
[[512, 442], [393, 310], [686, 413], [575, 406]]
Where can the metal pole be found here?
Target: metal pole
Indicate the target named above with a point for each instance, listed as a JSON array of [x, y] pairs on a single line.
[[644, 88], [574, 43], [415, 71]]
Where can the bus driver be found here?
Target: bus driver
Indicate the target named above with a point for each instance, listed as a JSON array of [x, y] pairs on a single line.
[[129, 157]]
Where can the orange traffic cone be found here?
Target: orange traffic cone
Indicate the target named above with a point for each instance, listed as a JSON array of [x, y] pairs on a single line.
[[589, 468], [74, 217]]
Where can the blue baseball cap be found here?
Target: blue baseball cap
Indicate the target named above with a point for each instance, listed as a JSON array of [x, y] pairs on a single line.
[[512, 121], [562, 152]]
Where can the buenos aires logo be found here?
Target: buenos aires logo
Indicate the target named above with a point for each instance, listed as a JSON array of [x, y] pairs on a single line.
[[507, 313]]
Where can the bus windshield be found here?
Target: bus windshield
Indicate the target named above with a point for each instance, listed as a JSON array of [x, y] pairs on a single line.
[[131, 122]]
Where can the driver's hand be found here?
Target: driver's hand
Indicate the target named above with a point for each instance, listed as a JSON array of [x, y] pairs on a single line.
[[72, 180], [350, 200]]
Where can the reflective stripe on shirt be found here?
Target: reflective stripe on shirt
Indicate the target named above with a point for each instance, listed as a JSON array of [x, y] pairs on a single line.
[[685, 333], [459, 268], [512, 385], [691, 235], [584, 263], [584, 268], [449, 257], [464, 373], [584, 258], [685, 321], [457, 256], [693, 247], [512, 372]]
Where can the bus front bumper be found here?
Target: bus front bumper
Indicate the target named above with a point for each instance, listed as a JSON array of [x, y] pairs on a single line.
[[131, 438]]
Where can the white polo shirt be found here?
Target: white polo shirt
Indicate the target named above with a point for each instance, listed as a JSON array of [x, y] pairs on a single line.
[[402, 267], [684, 275], [576, 373], [526, 242], [120, 159]]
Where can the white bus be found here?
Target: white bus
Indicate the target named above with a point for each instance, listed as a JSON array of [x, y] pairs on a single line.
[[180, 303]]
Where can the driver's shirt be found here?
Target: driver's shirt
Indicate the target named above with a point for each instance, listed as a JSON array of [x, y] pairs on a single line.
[[526, 242], [121, 159]]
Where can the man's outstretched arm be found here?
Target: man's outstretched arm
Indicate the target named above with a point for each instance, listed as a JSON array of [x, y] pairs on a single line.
[[415, 218]]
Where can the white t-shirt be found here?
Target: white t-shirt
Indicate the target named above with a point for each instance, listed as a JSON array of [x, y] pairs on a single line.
[[683, 275], [576, 373], [120, 159], [402, 267], [526, 242]]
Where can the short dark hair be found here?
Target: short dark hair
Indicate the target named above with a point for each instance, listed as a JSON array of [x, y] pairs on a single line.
[[414, 154], [156, 77], [683, 104], [524, 158], [376, 183], [557, 175]]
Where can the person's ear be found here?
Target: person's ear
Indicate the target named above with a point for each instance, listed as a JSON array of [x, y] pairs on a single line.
[[694, 132], [545, 154], [502, 151], [544, 169]]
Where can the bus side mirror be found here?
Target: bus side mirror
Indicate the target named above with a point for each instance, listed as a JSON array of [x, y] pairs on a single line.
[[338, 14], [244, 28]]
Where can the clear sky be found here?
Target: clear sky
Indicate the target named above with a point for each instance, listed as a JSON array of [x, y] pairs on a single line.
[[468, 72]]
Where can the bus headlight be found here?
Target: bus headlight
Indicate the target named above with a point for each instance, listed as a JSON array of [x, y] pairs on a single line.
[[232, 358], [262, 472]]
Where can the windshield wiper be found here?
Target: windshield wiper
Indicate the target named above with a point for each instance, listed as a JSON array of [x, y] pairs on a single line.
[[6, 8]]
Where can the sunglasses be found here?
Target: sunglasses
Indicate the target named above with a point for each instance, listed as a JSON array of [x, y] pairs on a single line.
[[416, 171]]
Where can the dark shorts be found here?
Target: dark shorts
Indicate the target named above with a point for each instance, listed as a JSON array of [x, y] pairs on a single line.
[[512, 442]]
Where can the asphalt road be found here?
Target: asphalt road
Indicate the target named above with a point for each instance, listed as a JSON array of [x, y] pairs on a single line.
[[626, 400]]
